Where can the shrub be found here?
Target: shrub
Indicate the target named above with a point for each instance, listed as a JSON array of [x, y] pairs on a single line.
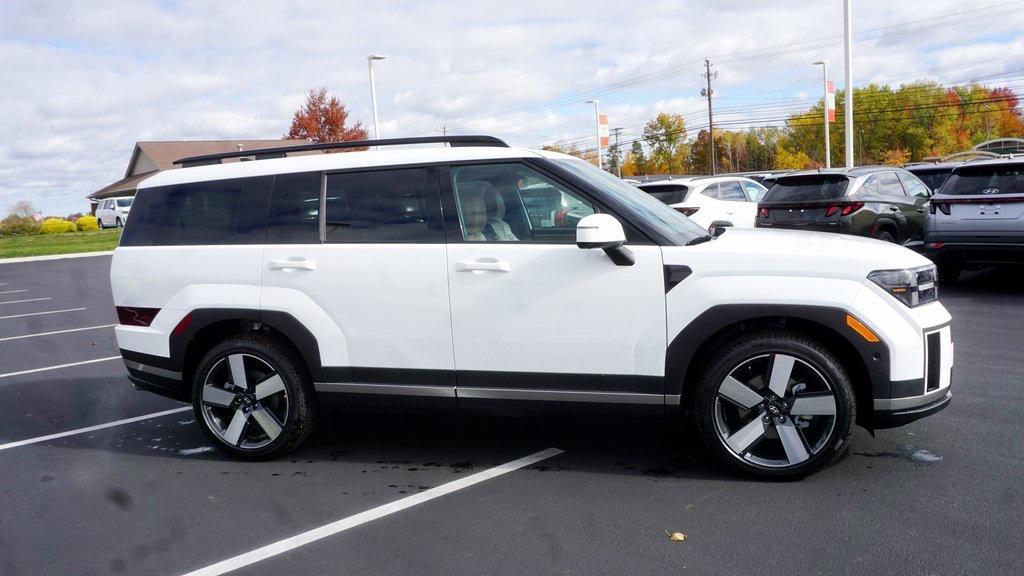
[[87, 223], [56, 226], [15, 225]]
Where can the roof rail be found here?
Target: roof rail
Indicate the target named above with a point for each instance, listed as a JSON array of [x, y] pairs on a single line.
[[454, 141]]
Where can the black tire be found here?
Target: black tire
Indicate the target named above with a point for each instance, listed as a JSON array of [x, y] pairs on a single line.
[[748, 348], [100, 222], [298, 395], [949, 272], [118, 223], [885, 236]]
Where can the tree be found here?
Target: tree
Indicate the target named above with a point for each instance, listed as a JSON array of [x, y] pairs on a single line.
[[666, 137], [894, 157], [614, 159], [638, 165], [23, 209], [322, 119], [786, 159]]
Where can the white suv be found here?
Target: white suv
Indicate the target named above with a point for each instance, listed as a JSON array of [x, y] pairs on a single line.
[[711, 201], [259, 290], [113, 212]]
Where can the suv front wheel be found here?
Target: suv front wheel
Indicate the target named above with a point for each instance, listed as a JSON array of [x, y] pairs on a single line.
[[775, 404], [252, 398]]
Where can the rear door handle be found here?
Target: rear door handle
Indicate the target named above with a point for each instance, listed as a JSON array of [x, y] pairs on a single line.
[[894, 208], [483, 265], [292, 264]]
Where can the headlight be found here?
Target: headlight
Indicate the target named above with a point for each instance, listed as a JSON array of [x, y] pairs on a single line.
[[913, 286]]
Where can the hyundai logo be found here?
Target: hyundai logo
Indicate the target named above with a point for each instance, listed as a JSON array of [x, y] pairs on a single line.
[[990, 191]]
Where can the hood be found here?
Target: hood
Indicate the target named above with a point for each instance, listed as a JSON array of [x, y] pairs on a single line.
[[770, 252]]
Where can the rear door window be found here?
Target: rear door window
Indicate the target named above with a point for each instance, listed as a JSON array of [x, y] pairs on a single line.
[[986, 180], [890, 184], [294, 214], [809, 188], [384, 206], [913, 186], [731, 191]]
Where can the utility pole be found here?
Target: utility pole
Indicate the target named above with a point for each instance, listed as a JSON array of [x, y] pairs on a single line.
[[597, 128], [825, 107], [444, 130], [848, 57], [618, 153], [707, 92]]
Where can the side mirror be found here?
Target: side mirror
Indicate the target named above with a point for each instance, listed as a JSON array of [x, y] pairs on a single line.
[[599, 231], [605, 232]]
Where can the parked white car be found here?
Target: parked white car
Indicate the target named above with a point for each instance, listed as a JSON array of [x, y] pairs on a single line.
[[113, 212], [481, 276], [711, 201]]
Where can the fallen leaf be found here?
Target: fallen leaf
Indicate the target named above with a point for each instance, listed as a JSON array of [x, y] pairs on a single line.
[[676, 536]]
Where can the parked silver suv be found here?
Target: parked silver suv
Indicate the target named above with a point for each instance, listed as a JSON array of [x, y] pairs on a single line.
[[977, 217]]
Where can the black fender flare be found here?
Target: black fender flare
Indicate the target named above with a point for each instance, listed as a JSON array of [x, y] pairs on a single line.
[[713, 321]]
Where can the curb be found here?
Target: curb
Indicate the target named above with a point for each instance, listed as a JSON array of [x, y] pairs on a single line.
[[53, 257]]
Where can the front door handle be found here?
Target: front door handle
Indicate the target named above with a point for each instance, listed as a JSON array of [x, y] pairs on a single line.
[[482, 265], [894, 208], [292, 264]]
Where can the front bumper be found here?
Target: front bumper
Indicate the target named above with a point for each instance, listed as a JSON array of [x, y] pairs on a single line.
[[895, 418], [910, 400]]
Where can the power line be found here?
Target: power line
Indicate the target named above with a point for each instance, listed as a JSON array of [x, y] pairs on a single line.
[[891, 30]]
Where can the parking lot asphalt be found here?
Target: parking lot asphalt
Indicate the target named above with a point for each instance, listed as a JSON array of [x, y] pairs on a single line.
[[944, 495]]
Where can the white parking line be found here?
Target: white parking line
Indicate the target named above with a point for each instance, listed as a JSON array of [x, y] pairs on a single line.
[[12, 291], [333, 528], [28, 300], [92, 428], [57, 332], [41, 313], [45, 368]]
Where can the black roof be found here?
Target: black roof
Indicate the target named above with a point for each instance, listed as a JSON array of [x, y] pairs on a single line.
[[930, 166]]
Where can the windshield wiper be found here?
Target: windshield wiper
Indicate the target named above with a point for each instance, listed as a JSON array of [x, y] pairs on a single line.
[[700, 239]]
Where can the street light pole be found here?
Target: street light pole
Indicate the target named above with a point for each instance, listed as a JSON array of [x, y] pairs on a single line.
[[824, 102], [597, 128], [373, 94], [848, 57]]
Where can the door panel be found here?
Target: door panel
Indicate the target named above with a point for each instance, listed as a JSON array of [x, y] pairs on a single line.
[[375, 292], [533, 312], [557, 309]]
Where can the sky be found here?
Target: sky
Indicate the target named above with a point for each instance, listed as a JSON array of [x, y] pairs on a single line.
[[81, 82]]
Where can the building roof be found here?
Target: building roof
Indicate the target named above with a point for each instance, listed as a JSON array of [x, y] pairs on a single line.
[[151, 157]]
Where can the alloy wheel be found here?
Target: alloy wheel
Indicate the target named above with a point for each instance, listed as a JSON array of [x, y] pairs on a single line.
[[775, 410], [244, 401]]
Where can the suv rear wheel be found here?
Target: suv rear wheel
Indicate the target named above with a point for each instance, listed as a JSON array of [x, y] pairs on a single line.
[[775, 404], [252, 398], [885, 236]]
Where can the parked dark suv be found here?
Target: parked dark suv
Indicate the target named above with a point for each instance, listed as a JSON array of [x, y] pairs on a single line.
[[933, 174], [881, 202]]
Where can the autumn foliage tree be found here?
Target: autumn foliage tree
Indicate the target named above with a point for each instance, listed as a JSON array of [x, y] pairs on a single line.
[[323, 119]]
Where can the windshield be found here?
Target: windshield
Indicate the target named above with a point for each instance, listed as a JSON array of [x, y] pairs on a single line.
[[668, 222], [986, 180], [667, 193], [124, 203], [810, 188]]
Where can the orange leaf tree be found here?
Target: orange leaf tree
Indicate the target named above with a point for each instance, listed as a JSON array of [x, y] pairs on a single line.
[[323, 118]]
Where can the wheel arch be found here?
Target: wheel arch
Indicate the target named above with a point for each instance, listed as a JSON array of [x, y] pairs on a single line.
[[209, 326], [889, 224], [867, 363]]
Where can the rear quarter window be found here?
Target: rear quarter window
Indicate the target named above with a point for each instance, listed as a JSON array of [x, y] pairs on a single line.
[[810, 188], [200, 213], [986, 180]]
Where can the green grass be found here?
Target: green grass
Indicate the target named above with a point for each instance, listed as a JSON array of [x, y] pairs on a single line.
[[46, 244]]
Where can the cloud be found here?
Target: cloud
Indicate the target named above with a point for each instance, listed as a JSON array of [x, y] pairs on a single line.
[[84, 80]]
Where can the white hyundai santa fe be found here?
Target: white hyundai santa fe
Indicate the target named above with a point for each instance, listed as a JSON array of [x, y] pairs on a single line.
[[479, 276]]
